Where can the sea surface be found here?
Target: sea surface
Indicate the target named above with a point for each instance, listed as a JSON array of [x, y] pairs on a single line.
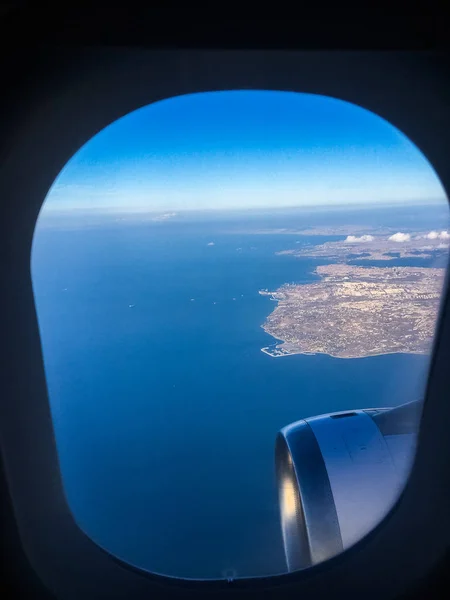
[[165, 409]]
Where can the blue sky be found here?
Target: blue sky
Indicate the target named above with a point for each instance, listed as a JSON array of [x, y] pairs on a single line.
[[245, 149]]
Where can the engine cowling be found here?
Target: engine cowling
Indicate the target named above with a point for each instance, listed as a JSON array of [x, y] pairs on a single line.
[[338, 475]]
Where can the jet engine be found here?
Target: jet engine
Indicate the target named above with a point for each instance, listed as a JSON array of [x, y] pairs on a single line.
[[338, 475]]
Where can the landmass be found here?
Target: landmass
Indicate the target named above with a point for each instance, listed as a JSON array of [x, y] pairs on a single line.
[[355, 312], [379, 247], [326, 230]]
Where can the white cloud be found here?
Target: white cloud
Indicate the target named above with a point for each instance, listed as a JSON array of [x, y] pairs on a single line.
[[363, 238], [441, 245], [210, 244], [435, 235], [164, 217], [400, 237]]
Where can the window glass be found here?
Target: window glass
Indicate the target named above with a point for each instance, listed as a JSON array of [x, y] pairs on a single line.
[[209, 270]]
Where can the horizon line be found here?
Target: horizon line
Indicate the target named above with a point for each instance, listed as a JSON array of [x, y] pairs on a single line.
[[176, 211]]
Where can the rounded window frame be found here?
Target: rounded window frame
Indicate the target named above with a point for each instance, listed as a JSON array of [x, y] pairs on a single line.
[[80, 105]]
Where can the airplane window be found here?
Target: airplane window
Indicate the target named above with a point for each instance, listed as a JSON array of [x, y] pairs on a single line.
[[237, 294]]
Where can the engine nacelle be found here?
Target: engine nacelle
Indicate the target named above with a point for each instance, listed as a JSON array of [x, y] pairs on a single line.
[[338, 475]]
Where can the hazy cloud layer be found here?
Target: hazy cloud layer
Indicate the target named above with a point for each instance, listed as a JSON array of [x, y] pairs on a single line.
[[164, 217]]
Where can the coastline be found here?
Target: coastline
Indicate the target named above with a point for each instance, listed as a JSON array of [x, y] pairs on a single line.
[[277, 349], [306, 353]]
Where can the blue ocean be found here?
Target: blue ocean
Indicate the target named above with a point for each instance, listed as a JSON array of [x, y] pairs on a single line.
[[165, 409]]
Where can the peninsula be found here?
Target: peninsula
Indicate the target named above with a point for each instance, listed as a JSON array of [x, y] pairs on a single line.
[[355, 312]]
